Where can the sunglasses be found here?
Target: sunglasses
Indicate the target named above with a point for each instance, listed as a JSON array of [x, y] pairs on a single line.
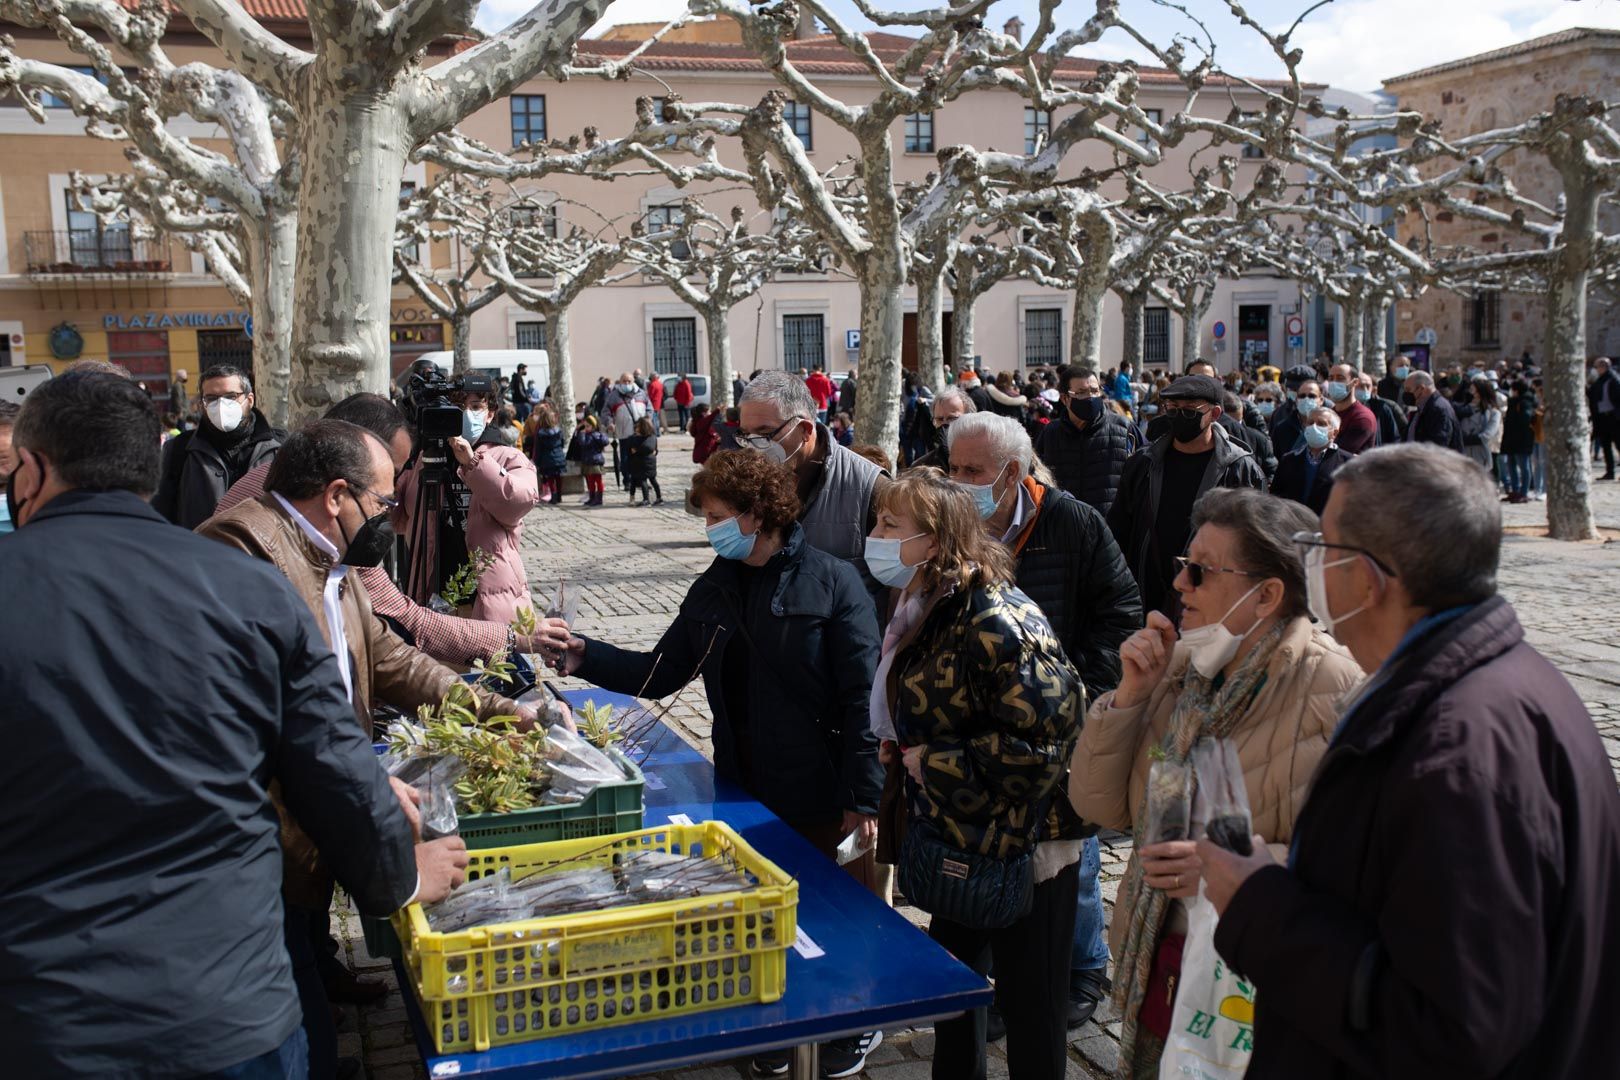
[[1196, 571], [1304, 541]]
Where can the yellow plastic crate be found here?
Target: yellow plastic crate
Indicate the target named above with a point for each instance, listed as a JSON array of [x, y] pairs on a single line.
[[511, 982]]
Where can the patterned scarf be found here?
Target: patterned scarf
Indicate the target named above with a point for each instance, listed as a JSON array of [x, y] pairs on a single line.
[[1201, 710]]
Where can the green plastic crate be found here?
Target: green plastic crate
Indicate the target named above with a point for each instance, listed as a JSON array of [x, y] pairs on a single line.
[[611, 808]]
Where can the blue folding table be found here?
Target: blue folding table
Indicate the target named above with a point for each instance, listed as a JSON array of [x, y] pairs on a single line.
[[858, 965]]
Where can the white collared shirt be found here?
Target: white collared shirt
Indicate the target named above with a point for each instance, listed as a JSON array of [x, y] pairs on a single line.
[[331, 597], [1021, 511]]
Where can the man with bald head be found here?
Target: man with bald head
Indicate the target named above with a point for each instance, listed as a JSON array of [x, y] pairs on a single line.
[[1432, 418]]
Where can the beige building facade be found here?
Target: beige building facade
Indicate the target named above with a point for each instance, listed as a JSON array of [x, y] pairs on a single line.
[[1481, 93]]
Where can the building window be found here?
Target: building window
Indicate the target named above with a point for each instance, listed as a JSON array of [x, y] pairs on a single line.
[[530, 216], [1037, 128], [528, 118], [664, 218], [1251, 151], [658, 118], [1485, 318], [92, 244], [1156, 337], [920, 133], [51, 101], [1142, 135], [804, 342], [675, 346], [796, 114], [1043, 337], [530, 335]]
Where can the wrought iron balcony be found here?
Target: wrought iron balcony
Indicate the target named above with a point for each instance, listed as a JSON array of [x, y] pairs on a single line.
[[98, 252]]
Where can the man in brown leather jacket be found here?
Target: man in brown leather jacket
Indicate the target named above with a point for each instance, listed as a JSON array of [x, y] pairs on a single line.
[[325, 513]]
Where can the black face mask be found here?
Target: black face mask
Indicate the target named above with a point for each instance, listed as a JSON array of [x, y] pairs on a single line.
[[1086, 410], [1186, 427], [14, 506], [371, 541], [1408, 397]]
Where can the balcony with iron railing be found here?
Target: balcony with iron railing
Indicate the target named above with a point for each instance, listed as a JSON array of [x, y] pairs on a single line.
[[94, 252]]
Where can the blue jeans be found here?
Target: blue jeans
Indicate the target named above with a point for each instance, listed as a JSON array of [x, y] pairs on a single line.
[[289, 1061], [1090, 949], [1538, 470], [1517, 478]]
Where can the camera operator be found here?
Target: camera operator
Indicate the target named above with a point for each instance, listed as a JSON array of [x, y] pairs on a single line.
[[503, 487]]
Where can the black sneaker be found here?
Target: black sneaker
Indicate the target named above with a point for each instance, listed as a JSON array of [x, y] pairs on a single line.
[[846, 1057], [775, 1063]]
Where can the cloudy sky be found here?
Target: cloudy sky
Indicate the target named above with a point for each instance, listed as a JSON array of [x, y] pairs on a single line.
[[1349, 43]]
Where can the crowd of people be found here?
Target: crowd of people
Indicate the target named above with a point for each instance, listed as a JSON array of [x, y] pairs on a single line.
[[968, 664]]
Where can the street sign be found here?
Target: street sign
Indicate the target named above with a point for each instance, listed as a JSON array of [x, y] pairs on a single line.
[[852, 340], [1295, 326], [1219, 330], [1296, 341], [247, 328], [1426, 336]]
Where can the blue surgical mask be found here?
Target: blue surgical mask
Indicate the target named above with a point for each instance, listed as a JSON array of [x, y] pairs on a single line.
[[1337, 391], [884, 561], [1149, 409], [985, 499], [728, 541], [1363, 395], [473, 424], [1317, 436], [1265, 408], [1307, 405], [1402, 372]]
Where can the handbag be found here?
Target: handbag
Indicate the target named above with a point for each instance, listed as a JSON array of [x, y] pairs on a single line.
[[980, 892], [1160, 999]]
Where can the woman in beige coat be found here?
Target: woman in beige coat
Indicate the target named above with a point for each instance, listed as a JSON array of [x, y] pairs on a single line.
[[1249, 667]]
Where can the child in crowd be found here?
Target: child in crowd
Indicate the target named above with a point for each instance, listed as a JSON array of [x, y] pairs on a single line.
[[549, 452], [586, 448], [641, 463]]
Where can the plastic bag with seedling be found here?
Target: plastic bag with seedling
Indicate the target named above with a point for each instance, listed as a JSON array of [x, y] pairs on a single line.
[[597, 726], [565, 604], [462, 586], [1221, 787], [1169, 800]]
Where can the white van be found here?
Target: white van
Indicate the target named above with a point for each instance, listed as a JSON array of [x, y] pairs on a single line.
[[502, 362], [16, 382]]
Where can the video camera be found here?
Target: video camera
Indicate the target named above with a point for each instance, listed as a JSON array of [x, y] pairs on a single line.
[[438, 541]]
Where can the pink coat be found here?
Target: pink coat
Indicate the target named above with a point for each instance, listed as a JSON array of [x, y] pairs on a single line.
[[504, 489]]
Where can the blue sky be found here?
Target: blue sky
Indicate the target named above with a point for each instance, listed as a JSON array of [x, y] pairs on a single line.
[[1349, 43]]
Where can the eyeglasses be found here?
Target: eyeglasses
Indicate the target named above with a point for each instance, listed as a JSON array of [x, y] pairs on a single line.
[[760, 442], [1196, 571], [1184, 410], [209, 399], [1306, 540], [388, 504]]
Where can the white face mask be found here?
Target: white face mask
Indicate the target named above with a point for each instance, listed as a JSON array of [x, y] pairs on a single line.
[[225, 414], [1210, 648], [1316, 598]]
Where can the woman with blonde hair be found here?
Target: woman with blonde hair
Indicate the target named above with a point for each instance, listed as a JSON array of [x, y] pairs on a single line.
[[977, 708], [1248, 667]]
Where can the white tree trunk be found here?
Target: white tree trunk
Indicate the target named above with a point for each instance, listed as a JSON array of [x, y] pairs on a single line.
[[562, 370], [877, 406], [1377, 360], [1355, 332], [1085, 339], [1192, 321], [963, 302], [717, 328], [931, 328], [461, 327], [353, 146], [1135, 309], [1567, 422], [272, 252]]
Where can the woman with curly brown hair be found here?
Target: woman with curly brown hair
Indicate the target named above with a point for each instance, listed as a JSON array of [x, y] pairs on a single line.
[[982, 731]]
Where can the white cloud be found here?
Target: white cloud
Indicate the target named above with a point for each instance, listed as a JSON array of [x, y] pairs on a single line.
[[1358, 43]]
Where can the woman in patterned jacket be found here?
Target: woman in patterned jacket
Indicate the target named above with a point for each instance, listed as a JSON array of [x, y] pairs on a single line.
[[976, 699]]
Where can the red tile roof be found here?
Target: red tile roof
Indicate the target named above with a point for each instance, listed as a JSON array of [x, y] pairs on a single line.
[[273, 11]]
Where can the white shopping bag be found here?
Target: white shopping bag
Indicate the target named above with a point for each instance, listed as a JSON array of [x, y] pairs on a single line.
[[1212, 1025]]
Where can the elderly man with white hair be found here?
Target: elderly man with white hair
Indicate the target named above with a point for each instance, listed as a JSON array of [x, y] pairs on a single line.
[[1430, 419], [1069, 564], [949, 404], [1306, 475]]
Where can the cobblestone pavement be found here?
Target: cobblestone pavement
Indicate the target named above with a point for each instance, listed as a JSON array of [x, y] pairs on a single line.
[[632, 567]]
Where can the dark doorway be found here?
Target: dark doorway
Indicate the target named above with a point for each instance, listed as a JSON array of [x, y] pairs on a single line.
[[908, 342]]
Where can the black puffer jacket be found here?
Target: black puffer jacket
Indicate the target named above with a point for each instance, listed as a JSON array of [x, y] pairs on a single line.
[[1070, 565], [796, 642], [1089, 463]]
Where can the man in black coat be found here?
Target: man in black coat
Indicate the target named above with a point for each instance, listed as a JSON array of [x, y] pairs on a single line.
[[141, 926], [1448, 907], [1087, 445], [232, 438], [1152, 517], [1603, 397], [1394, 380], [1390, 415], [1431, 418], [1070, 566], [1256, 438]]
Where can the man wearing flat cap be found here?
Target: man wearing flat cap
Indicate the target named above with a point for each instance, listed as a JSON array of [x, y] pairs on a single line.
[[1152, 516]]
